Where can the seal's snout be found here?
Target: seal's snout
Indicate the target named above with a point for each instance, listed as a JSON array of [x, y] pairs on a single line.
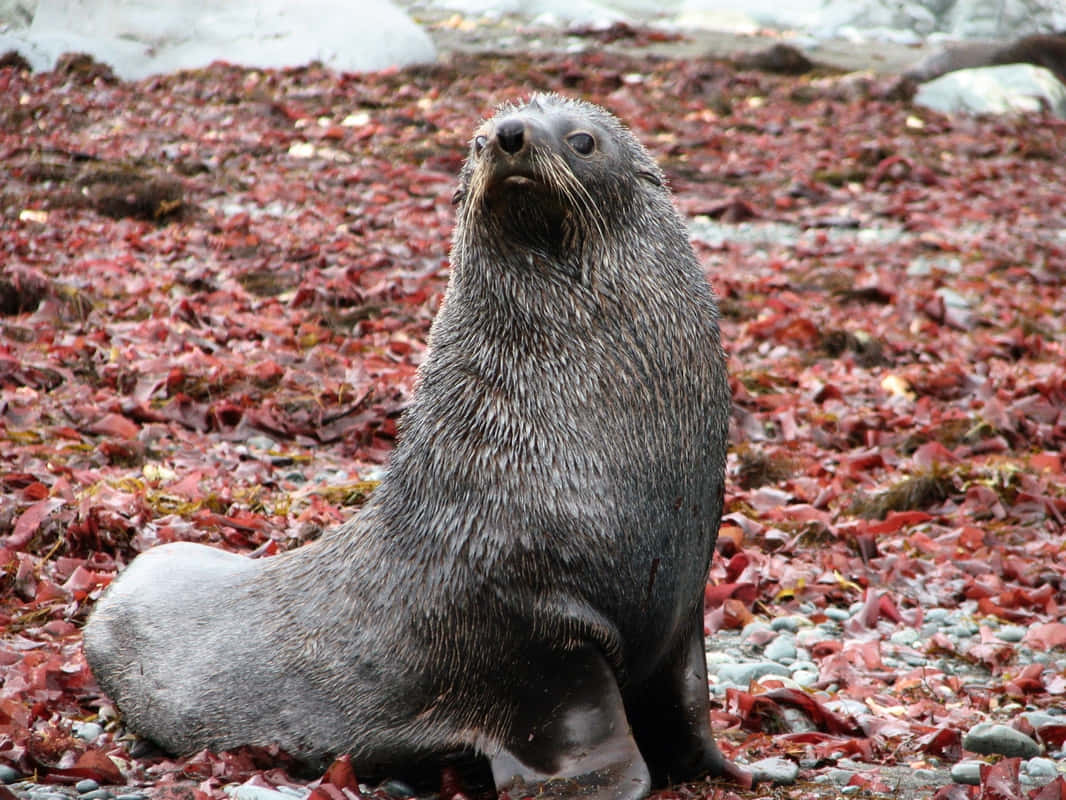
[[511, 135]]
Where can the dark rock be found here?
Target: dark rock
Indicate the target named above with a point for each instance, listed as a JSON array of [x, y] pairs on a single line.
[[782, 59]]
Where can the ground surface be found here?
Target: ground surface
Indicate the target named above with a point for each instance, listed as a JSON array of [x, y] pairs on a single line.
[[216, 289], [454, 33]]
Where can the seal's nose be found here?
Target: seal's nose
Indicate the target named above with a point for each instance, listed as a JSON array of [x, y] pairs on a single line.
[[511, 135]]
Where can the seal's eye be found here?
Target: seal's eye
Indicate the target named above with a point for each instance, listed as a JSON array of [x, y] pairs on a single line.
[[582, 143], [479, 144]]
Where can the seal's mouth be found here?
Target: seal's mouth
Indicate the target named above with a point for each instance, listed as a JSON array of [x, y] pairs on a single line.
[[519, 180], [505, 179]]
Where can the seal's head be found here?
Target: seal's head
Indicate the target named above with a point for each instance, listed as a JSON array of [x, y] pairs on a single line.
[[550, 173]]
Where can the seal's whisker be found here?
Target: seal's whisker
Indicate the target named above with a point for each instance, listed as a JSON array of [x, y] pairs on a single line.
[[556, 168]]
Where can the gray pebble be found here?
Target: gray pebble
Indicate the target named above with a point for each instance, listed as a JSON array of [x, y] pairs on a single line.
[[330, 477], [839, 777], [718, 657], [301, 791], [936, 614], [778, 771], [1039, 770], [952, 298], [990, 737], [962, 630], [86, 785], [97, 794], [397, 789], [927, 776], [782, 649], [967, 772], [743, 674], [805, 677], [915, 660], [797, 721], [1040, 718], [245, 792], [790, 624], [261, 442], [929, 630], [87, 731], [848, 791], [131, 796], [907, 637], [8, 774], [847, 706], [755, 628], [838, 614], [373, 474], [1011, 633]]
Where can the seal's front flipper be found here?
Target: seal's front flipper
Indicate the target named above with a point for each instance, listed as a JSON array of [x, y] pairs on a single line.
[[569, 737], [670, 714]]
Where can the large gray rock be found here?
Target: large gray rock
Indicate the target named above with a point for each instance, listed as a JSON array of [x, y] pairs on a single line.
[[992, 738], [995, 90], [138, 38]]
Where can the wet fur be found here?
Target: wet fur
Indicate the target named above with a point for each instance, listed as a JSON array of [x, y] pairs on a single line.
[[555, 494]]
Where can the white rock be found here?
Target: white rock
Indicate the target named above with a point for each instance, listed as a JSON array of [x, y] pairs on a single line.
[[246, 792], [967, 772], [16, 13], [743, 674], [782, 649], [995, 90], [1002, 19], [581, 11], [1039, 770], [777, 771], [143, 37]]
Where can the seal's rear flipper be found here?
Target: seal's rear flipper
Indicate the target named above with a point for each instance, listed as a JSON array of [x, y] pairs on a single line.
[[570, 737], [670, 714]]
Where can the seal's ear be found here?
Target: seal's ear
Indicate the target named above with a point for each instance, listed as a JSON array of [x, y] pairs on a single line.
[[650, 177]]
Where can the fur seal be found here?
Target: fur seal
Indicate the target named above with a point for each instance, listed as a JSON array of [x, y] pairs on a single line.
[[527, 581]]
